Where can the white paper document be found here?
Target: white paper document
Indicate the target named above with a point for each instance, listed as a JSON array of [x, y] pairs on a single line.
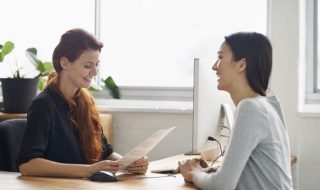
[[143, 148]]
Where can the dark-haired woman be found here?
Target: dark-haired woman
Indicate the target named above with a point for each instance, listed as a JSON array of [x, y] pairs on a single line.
[[258, 154], [64, 137]]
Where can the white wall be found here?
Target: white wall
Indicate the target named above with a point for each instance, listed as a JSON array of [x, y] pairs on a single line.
[[131, 128], [304, 132], [135, 120]]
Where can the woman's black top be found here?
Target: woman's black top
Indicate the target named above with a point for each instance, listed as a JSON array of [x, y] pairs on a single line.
[[49, 133]]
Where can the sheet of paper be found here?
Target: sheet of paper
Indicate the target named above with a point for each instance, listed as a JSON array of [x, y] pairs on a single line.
[[143, 148]]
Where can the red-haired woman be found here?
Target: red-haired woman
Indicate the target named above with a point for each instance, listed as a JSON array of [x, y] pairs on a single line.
[[64, 137]]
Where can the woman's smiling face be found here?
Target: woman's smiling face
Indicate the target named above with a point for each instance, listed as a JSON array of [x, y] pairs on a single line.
[[225, 68], [80, 73]]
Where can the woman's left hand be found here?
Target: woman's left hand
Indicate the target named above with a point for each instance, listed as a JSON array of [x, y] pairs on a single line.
[[140, 166], [188, 167]]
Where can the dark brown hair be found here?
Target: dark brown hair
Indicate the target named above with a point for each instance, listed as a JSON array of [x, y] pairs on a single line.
[[257, 50]]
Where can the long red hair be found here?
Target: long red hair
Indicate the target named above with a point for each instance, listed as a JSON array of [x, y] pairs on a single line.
[[83, 113], [84, 116]]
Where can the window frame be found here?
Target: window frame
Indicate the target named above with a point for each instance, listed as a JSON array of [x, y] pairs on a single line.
[[309, 94], [152, 93], [316, 48], [312, 91], [140, 92]]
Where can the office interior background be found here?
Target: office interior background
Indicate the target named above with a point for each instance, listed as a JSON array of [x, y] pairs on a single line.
[[150, 48]]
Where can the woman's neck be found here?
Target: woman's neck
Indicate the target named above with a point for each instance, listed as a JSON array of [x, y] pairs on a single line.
[[242, 93], [66, 88]]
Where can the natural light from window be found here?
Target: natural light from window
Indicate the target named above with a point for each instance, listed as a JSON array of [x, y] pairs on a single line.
[[148, 43], [39, 24], [154, 42]]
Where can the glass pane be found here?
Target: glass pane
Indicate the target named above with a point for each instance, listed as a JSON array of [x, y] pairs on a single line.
[[38, 23], [154, 42], [317, 66]]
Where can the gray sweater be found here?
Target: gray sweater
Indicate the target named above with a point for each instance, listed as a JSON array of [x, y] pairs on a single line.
[[258, 154]]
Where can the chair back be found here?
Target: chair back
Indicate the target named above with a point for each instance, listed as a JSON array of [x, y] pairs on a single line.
[[107, 125], [11, 134]]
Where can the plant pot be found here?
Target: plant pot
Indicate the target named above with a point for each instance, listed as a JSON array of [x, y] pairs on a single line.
[[18, 94]]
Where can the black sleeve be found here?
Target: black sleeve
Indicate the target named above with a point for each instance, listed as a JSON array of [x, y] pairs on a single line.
[[107, 148], [35, 139]]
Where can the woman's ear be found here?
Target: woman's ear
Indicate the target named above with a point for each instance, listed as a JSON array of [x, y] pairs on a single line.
[[64, 62], [242, 65]]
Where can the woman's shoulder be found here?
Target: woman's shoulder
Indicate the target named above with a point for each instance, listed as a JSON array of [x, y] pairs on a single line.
[[252, 113], [41, 105], [264, 105], [44, 100], [252, 104], [43, 97]]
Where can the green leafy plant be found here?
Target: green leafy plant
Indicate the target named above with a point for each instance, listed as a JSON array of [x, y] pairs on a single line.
[[44, 67], [5, 49], [112, 87]]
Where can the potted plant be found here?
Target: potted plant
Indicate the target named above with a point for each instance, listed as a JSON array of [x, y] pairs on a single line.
[[17, 91]]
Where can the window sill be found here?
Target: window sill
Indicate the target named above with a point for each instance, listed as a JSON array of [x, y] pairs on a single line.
[[309, 110], [153, 106], [149, 93], [127, 105]]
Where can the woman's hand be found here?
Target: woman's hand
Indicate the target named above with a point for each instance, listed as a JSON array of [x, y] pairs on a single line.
[[212, 169], [105, 165], [139, 167], [188, 167]]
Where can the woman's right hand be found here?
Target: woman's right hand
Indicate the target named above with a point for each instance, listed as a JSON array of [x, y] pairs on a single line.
[[106, 165]]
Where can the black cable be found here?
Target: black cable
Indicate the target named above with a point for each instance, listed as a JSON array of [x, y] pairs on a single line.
[[221, 153], [213, 139], [215, 160]]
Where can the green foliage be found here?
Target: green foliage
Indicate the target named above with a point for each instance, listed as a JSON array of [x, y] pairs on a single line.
[[5, 49], [44, 67], [42, 83], [109, 84], [112, 87]]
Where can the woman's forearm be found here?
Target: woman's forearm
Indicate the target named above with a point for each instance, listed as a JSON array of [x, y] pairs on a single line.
[[43, 167]]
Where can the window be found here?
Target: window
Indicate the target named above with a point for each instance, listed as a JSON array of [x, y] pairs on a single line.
[[39, 24], [152, 43], [317, 49], [310, 45], [309, 75]]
